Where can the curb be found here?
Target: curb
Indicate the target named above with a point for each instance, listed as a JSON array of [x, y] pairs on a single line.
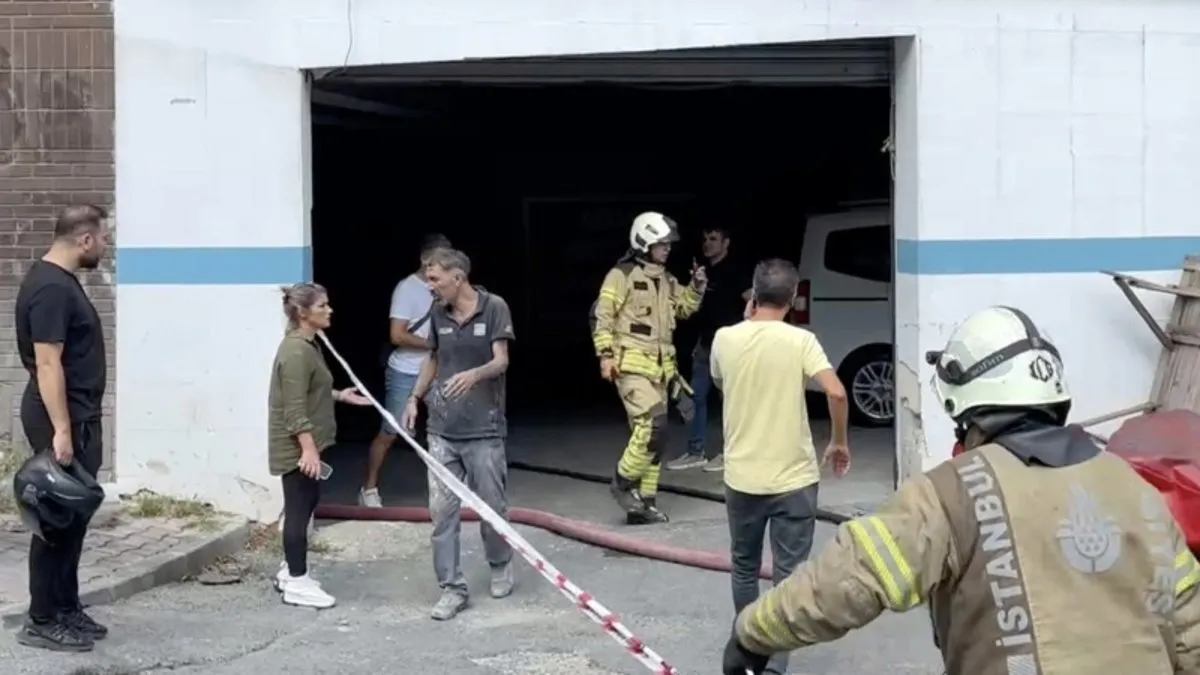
[[164, 569]]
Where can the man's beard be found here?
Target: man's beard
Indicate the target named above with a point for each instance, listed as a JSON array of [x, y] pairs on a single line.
[[89, 262]]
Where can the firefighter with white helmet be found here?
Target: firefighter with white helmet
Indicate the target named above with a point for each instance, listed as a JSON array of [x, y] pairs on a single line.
[[633, 322], [1036, 552]]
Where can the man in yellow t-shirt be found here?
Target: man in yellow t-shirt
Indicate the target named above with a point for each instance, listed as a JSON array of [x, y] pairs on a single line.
[[761, 366]]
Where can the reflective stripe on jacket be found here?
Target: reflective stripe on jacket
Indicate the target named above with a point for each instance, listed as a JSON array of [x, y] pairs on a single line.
[[1027, 570], [633, 319]]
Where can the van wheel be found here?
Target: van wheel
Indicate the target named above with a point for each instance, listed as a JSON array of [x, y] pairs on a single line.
[[868, 374]]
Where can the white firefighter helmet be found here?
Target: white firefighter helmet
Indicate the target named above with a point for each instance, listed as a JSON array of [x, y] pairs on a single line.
[[651, 228], [998, 358]]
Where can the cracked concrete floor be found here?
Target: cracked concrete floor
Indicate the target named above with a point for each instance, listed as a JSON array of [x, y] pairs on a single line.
[[382, 576]]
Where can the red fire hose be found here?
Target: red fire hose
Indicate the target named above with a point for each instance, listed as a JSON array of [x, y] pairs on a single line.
[[577, 530]]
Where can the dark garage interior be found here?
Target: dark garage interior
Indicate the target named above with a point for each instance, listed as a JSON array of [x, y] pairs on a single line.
[[538, 184]]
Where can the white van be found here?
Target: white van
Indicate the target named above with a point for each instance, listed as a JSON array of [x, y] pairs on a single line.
[[845, 299]]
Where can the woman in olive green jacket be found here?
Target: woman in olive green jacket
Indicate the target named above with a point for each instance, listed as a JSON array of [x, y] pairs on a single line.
[[301, 425]]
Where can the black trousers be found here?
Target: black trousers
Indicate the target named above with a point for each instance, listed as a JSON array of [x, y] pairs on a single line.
[[54, 564], [301, 495], [791, 520]]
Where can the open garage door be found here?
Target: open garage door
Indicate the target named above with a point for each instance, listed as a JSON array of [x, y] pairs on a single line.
[[841, 62], [536, 166]]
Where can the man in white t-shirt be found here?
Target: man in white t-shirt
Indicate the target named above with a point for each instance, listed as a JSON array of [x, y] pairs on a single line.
[[409, 334]]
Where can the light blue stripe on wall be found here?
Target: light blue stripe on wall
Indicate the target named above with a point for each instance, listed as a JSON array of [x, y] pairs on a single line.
[[1042, 256], [283, 265], [213, 266]]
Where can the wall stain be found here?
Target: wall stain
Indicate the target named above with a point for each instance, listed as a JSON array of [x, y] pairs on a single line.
[[913, 447], [12, 122], [45, 109]]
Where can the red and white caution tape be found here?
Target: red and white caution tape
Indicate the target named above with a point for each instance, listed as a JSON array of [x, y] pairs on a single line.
[[580, 598]]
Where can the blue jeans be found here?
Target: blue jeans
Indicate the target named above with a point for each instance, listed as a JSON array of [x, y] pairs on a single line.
[[701, 386], [397, 388]]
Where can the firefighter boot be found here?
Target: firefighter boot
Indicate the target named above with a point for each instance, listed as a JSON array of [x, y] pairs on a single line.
[[626, 494], [650, 515]]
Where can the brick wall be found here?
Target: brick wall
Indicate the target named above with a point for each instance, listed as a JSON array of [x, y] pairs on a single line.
[[56, 148]]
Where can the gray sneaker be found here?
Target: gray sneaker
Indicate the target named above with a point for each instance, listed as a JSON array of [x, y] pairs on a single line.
[[688, 460], [448, 606], [716, 464], [504, 580]]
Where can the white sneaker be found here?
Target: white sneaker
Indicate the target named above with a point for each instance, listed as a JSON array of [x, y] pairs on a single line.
[[280, 577], [370, 498], [305, 592]]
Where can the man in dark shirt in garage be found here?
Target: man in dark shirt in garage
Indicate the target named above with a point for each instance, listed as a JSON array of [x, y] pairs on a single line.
[[462, 381], [724, 304], [61, 343]]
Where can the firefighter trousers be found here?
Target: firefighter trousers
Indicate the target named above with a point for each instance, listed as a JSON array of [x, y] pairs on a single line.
[[645, 402]]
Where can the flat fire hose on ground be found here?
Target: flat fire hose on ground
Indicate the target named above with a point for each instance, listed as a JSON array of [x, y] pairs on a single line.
[[579, 597]]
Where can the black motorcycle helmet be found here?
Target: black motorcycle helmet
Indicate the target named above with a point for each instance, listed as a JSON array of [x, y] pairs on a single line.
[[51, 497]]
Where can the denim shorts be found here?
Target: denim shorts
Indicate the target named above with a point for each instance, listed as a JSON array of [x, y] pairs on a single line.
[[398, 387]]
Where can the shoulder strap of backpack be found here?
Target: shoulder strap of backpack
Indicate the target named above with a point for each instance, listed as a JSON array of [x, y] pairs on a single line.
[[416, 325]]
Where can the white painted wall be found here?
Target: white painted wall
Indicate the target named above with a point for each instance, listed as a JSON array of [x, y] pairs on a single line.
[[1068, 118], [912, 448], [192, 393], [1109, 354], [213, 149], [213, 154], [1048, 120]]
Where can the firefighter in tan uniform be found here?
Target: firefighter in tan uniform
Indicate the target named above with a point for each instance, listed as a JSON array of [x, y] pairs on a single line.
[[1036, 552], [633, 321]]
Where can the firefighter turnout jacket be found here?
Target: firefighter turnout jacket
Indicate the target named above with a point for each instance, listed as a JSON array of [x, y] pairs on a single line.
[[633, 319], [1026, 570]]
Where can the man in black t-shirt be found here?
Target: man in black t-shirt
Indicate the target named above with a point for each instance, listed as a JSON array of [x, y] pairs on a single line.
[[724, 304], [61, 343]]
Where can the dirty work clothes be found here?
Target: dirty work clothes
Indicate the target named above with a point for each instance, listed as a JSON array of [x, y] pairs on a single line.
[[299, 399], [483, 466], [54, 565], [459, 347], [791, 520], [1025, 568], [645, 404]]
